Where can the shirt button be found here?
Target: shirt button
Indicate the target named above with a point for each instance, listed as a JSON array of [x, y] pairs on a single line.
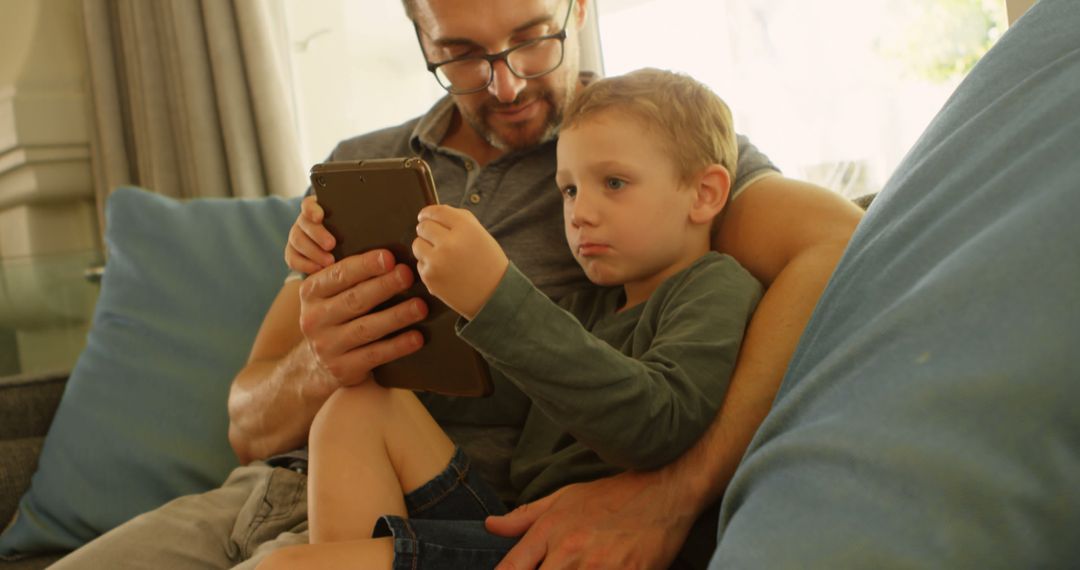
[[474, 198]]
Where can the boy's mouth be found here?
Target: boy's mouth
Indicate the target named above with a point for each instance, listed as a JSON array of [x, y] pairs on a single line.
[[588, 249]]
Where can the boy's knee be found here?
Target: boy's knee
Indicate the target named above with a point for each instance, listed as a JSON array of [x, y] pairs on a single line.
[[362, 403]]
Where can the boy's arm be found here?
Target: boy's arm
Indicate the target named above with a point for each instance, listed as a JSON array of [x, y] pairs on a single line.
[[790, 235], [638, 411]]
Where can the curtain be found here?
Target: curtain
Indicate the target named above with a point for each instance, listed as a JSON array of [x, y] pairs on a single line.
[[191, 98]]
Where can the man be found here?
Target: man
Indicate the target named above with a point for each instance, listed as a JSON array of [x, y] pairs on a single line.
[[928, 419], [491, 147]]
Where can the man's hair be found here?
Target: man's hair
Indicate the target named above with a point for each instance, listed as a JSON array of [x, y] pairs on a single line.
[[693, 124]]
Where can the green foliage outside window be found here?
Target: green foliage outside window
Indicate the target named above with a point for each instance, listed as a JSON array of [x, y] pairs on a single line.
[[940, 40]]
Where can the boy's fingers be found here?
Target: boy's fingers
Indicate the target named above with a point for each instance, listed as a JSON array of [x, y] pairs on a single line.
[[318, 233], [420, 249], [310, 209], [299, 263], [439, 213], [310, 220], [302, 248], [431, 231]]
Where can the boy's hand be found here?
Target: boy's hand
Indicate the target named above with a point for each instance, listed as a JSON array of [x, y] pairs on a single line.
[[457, 258], [307, 250]]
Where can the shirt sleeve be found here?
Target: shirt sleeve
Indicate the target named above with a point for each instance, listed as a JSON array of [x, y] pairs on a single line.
[[635, 412], [752, 166]]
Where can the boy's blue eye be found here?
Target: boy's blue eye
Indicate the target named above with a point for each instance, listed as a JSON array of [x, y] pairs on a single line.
[[615, 184]]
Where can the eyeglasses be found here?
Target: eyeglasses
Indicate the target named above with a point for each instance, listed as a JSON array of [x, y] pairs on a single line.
[[527, 60]]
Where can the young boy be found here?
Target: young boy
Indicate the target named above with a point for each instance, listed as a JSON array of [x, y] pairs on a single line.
[[626, 375]]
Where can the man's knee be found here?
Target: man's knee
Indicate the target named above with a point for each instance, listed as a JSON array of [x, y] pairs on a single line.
[[282, 559]]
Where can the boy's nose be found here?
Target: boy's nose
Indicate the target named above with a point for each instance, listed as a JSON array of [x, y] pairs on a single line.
[[583, 212], [505, 86]]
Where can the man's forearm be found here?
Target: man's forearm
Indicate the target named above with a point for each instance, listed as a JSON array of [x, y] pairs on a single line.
[[272, 404], [774, 332]]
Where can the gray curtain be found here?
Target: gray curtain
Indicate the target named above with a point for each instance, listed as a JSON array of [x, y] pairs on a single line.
[[192, 98]]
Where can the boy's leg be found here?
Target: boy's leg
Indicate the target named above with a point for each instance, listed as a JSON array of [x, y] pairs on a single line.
[[368, 447], [370, 553]]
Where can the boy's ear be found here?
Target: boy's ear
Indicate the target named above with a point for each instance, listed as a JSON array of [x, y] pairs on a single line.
[[713, 186]]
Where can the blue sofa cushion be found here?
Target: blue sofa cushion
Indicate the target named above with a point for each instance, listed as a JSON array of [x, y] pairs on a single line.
[[929, 417], [143, 418]]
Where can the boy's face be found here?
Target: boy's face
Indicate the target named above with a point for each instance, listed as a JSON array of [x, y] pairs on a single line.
[[625, 209], [512, 113]]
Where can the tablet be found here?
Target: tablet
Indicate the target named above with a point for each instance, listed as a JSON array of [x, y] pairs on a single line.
[[372, 204]]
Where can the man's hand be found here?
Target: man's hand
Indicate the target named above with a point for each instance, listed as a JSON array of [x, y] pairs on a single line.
[[457, 258], [631, 520], [309, 240], [346, 339]]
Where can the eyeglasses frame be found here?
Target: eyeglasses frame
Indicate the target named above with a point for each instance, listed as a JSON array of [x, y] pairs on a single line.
[[501, 56]]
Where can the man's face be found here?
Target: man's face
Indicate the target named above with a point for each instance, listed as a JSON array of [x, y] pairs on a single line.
[[512, 113]]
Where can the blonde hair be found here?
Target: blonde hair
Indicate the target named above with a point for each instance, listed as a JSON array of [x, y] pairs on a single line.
[[694, 124]]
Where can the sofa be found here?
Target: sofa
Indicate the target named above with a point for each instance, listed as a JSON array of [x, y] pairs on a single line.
[[927, 419], [27, 405], [141, 418]]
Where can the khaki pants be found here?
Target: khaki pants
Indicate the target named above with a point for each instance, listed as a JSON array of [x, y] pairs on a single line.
[[256, 510]]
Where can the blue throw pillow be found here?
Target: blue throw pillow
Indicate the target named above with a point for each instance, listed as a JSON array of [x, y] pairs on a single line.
[[144, 418], [929, 416]]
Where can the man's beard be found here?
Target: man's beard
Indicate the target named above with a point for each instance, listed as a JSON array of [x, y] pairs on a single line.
[[481, 122]]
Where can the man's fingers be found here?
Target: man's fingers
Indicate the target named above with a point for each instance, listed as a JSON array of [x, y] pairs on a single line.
[[347, 351], [516, 522], [372, 327], [354, 366], [527, 554], [347, 273]]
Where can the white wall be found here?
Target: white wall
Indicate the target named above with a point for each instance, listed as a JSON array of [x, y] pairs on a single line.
[[48, 219]]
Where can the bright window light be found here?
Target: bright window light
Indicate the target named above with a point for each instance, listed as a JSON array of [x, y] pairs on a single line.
[[834, 91]]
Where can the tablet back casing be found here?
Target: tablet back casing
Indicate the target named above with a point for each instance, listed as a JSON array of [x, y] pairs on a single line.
[[372, 204]]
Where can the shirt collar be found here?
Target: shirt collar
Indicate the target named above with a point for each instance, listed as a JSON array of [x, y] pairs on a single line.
[[431, 129]]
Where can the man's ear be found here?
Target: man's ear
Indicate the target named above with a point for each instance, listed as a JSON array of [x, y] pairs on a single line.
[[580, 12], [713, 186]]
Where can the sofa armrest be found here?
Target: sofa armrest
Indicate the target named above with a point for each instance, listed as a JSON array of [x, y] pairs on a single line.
[[27, 406]]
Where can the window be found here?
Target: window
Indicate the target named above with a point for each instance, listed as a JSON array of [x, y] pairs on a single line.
[[833, 91], [356, 68]]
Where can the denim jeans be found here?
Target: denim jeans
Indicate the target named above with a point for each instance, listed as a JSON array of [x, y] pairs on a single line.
[[445, 528]]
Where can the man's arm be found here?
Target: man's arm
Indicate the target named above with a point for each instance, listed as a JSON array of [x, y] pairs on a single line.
[[270, 410], [790, 235], [317, 336]]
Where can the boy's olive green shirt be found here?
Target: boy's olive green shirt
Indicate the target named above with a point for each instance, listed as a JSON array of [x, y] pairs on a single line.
[[608, 390]]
